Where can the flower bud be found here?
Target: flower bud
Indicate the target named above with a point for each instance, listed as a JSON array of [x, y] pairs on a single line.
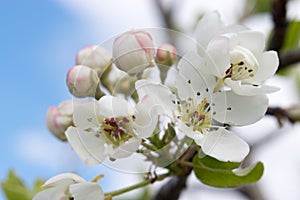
[[166, 55], [133, 51], [59, 119], [95, 57], [83, 81]]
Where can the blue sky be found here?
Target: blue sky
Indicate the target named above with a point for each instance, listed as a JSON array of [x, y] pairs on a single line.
[[39, 40], [38, 44]]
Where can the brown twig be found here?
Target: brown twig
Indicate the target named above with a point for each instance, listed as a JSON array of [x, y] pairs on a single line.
[[173, 188], [281, 115], [288, 58], [280, 24]]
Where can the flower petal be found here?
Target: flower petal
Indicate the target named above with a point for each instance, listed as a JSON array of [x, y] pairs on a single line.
[[218, 58], [146, 116], [208, 27], [268, 65], [195, 74], [115, 107], [225, 146], [249, 90], [188, 131], [126, 149], [88, 147], [87, 190], [86, 114], [63, 179], [50, 194], [237, 110], [252, 40], [157, 96]]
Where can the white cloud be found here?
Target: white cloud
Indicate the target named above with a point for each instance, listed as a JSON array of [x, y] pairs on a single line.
[[41, 149]]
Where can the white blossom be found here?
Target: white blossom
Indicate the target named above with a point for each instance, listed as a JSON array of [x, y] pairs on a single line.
[[196, 108], [110, 127], [236, 56], [69, 186]]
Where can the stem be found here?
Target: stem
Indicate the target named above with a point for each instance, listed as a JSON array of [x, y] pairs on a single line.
[[219, 84], [138, 185], [150, 147]]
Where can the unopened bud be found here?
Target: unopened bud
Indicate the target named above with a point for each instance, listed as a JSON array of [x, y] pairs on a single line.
[[133, 51], [166, 55], [83, 81], [95, 57], [59, 119]]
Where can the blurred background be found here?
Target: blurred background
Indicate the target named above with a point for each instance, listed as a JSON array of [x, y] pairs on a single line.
[[38, 44]]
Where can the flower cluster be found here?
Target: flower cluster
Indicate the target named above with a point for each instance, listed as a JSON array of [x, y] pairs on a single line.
[[125, 108]]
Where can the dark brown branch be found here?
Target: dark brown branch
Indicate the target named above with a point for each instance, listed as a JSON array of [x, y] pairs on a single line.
[[280, 24], [173, 188], [281, 115], [289, 58], [166, 14]]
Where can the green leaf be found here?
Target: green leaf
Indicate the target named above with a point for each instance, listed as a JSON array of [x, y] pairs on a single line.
[[220, 174], [259, 6], [292, 37], [14, 188], [216, 164]]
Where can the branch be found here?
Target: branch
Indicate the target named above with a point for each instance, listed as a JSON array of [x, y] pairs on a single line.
[[281, 115], [280, 24], [173, 188], [289, 58]]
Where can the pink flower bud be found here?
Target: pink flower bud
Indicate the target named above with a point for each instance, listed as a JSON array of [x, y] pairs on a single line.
[[95, 57], [133, 51], [82, 81], [166, 55], [59, 119]]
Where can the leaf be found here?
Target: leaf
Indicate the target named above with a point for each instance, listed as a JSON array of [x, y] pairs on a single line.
[[14, 188], [222, 174], [259, 6], [292, 37], [211, 162]]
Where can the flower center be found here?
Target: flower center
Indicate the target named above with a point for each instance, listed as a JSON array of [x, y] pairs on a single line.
[[243, 64], [196, 116], [117, 130]]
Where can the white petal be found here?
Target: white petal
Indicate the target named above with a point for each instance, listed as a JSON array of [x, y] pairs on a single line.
[[249, 90], [208, 27], [235, 28], [218, 58], [252, 40], [63, 179], [146, 116], [195, 74], [86, 114], [234, 109], [88, 147], [268, 65], [157, 96], [88, 190], [50, 194], [188, 131], [126, 149], [225, 145], [115, 107]]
